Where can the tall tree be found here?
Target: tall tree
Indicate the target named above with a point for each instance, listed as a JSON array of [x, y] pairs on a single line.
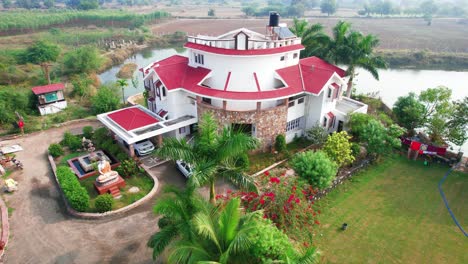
[[177, 209], [328, 6], [122, 83], [428, 8], [313, 37], [213, 154], [222, 235], [85, 59], [438, 110], [409, 111], [43, 53], [458, 123], [355, 50]]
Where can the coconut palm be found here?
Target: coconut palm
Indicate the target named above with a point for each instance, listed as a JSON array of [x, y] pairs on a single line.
[[223, 236], [355, 50], [177, 208], [314, 39], [213, 154], [122, 83]]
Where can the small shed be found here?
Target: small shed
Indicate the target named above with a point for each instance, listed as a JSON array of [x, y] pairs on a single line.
[[50, 98]]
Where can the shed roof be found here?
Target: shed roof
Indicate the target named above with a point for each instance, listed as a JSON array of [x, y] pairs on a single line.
[[48, 88]]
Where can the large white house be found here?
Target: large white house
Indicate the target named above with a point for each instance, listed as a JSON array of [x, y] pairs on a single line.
[[255, 82]]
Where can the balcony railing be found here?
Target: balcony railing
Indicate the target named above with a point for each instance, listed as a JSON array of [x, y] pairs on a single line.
[[251, 44]]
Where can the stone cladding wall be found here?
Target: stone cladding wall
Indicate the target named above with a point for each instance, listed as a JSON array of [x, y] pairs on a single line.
[[268, 122]]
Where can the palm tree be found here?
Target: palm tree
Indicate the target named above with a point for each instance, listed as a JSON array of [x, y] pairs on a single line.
[[314, 39], [355, 50], [178, 208], [223, 236], [122, 83], [213, 154]]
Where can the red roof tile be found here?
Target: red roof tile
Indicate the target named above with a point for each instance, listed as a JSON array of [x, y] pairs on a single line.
[[243, 52], [132, 118], [48, 88], [175, 73]]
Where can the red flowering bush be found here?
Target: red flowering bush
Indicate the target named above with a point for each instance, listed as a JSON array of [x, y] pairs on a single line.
[[286, 200]]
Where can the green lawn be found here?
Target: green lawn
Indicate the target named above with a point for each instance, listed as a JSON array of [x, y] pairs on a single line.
[[142, 181], [395, 215]]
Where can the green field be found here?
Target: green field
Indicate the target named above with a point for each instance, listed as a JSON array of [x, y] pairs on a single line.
[[395, 215]]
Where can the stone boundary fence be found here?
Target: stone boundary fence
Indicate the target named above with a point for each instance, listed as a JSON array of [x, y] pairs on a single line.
[[92, 216]]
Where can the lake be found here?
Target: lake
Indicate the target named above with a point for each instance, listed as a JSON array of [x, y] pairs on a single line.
[[392, 84]]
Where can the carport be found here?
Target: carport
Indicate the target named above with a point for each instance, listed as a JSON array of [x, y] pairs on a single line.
[[136, 123]]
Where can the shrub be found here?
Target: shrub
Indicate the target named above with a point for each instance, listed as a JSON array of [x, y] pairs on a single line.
[[356, 149], [100, 135], [104, 203], [55, 150], [317, 134], [88, 132], [76, 194], [129, 168], [280, 143], [71, 141], [315, 167], [107, 99], [338, 148]]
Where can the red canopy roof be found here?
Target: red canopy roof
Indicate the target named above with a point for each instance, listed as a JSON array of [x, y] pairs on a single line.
[[310, 75], [132, 118], [243, 52], [48, 88]]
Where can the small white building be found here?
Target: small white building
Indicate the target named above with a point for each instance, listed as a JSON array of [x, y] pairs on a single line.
[[50, 98], [255, 82]]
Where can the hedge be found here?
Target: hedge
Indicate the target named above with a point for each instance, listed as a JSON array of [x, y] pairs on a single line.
[[76, 194], [104, 203]]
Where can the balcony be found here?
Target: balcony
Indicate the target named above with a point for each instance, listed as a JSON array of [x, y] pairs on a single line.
[[348, 106], [252, 44]]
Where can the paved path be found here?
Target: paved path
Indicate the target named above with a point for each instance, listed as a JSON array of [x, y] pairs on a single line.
[[41, 232]]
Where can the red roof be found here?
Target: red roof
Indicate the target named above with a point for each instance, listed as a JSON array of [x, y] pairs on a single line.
[[175, 73], [243, 52], [132, 118], [48, 88]]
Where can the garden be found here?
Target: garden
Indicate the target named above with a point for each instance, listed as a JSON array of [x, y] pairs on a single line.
[[78, 185]]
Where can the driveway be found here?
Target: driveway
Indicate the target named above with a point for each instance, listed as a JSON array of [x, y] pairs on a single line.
[[41, 231]]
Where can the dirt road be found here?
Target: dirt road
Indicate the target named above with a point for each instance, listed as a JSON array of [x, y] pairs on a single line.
[[41, 232]]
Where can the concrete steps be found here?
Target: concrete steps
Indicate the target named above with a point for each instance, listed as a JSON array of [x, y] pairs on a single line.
[[115, 192]]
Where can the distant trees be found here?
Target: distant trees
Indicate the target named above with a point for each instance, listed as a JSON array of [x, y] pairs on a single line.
[[211, 12], [428, 8], [85, 59], [42, 53], [83, 4], [7, 4], [328, 7], [106, 99], [28, 4]]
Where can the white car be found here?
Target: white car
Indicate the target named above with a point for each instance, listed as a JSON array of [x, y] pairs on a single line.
[[184, 168], [143, 147]]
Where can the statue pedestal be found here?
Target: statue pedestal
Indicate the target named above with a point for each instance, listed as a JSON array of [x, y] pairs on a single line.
[[110, 187]]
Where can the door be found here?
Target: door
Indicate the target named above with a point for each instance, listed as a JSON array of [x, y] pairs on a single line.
[[340, 126]]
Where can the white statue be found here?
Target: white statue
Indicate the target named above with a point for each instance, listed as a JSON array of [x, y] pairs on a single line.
[[105, 171]]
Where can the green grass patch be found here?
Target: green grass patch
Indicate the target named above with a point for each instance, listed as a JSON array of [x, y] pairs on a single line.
[[395, 215], [142, 181], [7, 173]]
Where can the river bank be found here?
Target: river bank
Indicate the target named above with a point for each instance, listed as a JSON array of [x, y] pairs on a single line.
[[425, 60]]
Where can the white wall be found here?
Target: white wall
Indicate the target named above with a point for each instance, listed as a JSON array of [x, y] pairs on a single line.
[[242, 69], [52, 108]]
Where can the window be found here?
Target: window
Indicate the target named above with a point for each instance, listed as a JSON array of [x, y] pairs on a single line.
[[294, 124], [291, 103], [282, 58], [295, 55], [300, 101], [329, 92], [182, 130], [199, 58], [325, 122], [206, 100], [164, 91]]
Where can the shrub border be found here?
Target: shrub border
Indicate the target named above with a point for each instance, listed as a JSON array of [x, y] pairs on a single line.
[[92, 216]]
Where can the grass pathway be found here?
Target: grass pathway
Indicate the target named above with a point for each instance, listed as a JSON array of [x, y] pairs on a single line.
[[395, 215]]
